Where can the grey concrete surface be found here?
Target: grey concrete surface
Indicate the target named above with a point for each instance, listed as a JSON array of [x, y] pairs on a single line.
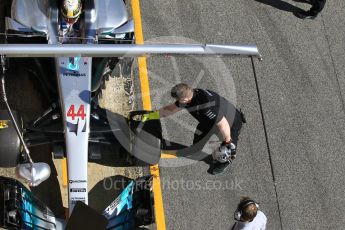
[[301, 81]]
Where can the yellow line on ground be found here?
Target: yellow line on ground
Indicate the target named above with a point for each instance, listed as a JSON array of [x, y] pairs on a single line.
[[144, 83], [146, 99], [168, 155], [138, 28], [64, 171]]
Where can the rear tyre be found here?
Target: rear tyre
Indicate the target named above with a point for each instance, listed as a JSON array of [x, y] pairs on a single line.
[[5, 11]]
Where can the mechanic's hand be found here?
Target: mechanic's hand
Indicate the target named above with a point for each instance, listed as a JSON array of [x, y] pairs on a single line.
[[154, 115], [226, 144]]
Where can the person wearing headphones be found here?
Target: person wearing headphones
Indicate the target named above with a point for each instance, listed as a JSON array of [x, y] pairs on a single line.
[[248, 216], [70, 25], [215, 115]]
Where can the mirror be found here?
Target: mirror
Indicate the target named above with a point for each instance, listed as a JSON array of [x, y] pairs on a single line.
[[34, 174]]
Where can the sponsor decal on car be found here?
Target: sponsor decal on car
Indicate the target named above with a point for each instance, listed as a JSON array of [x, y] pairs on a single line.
[[123, 201], [74, 200], [77, 181], [74, 74], [77, 190], [73, 63]]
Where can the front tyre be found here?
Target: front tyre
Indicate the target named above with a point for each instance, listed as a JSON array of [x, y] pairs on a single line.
[[10, 146]]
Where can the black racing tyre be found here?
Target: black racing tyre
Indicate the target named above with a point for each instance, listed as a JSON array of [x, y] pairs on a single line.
[[5, 11], [10, 146], [7, 7]]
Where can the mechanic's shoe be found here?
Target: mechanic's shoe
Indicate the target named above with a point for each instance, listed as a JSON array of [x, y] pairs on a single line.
[[219, 167], [306, 14], [233, 156], [243, 117]]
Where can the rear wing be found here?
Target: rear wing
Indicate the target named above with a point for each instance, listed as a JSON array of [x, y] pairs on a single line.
[[125, 50]]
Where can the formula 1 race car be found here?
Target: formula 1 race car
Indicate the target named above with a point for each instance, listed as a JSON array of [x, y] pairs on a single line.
[[71, 46], [85, 125], [79, 80]]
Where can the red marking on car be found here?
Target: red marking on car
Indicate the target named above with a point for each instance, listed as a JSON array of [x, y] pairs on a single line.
[[80, 113]]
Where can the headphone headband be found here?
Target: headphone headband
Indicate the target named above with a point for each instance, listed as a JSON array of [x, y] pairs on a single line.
[[245, 203], [241, 206], [173, 93]]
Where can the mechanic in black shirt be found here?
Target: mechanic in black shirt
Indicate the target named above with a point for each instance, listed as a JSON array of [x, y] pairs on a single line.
[[215, 115]]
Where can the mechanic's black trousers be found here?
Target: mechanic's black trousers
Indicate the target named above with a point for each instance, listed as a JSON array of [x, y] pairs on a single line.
[[204, 132]]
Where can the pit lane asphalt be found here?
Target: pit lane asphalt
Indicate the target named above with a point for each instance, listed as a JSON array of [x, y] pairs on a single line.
[[301, 81]]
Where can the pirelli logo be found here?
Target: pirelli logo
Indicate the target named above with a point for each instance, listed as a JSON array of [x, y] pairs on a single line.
[[77, 190]]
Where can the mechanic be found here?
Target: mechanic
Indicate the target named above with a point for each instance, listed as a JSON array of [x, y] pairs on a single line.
[[248, 216], [317, 6], [70, 11], [215, 115]]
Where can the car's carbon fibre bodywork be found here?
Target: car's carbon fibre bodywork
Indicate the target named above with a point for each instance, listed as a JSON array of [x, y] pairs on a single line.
[[20, 209]]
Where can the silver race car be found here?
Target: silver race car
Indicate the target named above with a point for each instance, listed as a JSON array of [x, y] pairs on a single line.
[[67, 123]]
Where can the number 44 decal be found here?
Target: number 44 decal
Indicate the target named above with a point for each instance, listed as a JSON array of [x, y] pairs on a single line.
[[80, 113]]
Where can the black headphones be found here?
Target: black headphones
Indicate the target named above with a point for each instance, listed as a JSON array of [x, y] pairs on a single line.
[[241, 206], [173, 93]]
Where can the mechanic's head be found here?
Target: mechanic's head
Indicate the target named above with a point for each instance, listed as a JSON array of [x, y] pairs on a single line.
[[182, 92], [71, 10], [249, 211]]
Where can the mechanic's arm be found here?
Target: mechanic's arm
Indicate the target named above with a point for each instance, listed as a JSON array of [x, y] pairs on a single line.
[[168, 110], [225, 130]]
